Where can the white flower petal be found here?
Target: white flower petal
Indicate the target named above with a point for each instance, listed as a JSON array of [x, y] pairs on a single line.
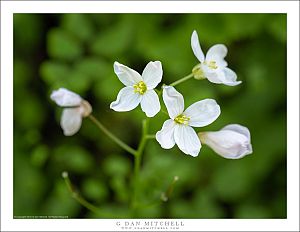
[[152, 74], [196, 47], [65, 98], [165, 136], [150, 103], [202, 113], [227, 143], [216, 76], [187, 140], [216, 53], [126, 75], [127, 100], [221, 76], [230, 77], [239, 129], [173, 100], [71, 121]]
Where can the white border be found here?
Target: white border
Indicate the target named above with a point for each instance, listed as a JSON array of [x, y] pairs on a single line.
[[10, 7]]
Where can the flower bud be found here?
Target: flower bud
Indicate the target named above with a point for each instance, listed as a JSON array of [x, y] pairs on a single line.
[[231, 142]]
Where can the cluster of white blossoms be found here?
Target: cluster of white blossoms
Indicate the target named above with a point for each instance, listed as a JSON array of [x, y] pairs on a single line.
[[232, 142]]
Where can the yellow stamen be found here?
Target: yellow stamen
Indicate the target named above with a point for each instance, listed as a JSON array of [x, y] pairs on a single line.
[[211, 64], [140, 87], [182, 119]]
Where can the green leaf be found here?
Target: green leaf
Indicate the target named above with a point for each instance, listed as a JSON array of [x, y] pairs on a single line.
[[61, 75], [73, 158], [95, 189], [278, 27], [39, 155], [113, 41], [232, 181], [120, 188], [94, 67], [78, 25], [116, 166], [60, 202], [54, 73], [251, 211], [62, 45]]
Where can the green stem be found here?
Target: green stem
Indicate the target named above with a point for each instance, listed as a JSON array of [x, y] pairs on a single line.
[[166, 195], [112, 136], [137, 162], [77, 197], [151, 136], [182, 79]]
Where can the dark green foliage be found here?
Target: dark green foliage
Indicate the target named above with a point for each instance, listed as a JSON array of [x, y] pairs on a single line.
[[77, 51]]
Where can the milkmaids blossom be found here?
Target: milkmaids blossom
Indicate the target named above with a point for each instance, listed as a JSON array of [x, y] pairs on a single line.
[[75, 109], [179, 129], [231, 142], [213, 66], [139, 88]]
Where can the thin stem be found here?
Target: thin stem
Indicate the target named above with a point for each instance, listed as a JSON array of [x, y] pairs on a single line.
[[142, 143], [112, 136], [75, 194], [77, 197], [182, 79], [151, 136], [166, 195], [137, 162]]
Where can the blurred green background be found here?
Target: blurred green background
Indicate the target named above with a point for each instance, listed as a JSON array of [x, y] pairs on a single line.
[[77, 51]]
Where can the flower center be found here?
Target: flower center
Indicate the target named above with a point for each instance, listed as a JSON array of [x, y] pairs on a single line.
[[211, 64], [140, 87], [182, 119]]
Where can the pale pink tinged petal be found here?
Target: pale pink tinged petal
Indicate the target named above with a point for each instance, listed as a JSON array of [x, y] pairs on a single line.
[[150, 103], [196, 47], [187, 140], [126, 75], [228, 144], [127, 100], [65, 98], [152, 74], [239, 129], [71, 121], [165, 136], [202, 113], [173, 100]]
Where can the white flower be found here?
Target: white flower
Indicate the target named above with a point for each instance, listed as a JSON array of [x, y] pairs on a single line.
[[139, 88], [76, 109], [213, 66], [179, 129], [231, 142]]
